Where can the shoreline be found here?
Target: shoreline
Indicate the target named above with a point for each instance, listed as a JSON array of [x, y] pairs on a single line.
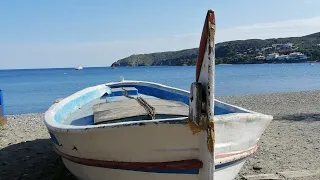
[[109, 66], [225, 64], [290, 142]]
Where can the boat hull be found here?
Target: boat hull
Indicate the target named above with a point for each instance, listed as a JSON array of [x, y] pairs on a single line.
[[99, 154], [113, 150]]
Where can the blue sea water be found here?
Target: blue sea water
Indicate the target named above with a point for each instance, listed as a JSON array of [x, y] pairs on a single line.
[[34, 90]]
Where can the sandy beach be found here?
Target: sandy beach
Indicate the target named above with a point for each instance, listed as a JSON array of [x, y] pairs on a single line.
[[291, 141]]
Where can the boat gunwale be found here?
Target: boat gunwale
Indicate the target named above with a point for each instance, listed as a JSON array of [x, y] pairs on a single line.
[[53, 125]]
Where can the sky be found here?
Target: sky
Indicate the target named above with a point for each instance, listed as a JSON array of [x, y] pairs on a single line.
[[69, 33]]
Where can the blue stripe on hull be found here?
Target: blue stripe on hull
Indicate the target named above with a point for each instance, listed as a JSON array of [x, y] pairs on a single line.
[[224, 165]]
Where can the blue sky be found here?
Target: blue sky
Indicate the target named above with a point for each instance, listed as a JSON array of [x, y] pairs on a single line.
[[68, 33]]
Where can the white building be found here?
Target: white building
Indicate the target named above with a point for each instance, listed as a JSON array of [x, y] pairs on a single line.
[[297, 56], [288, 45], [260, 57], [272, 56], [283, 57], [266, 48], [276, 45], [283, 46]]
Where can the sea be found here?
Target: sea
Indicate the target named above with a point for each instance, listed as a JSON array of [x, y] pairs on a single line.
[[34, 90]]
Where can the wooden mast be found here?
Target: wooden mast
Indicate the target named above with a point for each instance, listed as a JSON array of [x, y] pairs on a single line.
[[201, 112]]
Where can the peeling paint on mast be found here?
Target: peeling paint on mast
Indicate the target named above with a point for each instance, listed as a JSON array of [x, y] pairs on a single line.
[[207, 79]]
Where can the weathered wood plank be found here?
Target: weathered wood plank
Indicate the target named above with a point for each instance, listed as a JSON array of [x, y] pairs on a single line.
[[131, 108], [195, 103]]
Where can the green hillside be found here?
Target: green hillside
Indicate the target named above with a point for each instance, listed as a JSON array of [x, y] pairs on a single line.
[[235, 52]]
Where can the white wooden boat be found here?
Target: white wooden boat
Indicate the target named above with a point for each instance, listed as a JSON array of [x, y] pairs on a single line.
[[137, 130]]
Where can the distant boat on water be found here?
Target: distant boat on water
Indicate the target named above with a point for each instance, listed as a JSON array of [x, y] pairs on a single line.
[[79, 68]]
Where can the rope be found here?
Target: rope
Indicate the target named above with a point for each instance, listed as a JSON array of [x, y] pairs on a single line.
[[149, 109]]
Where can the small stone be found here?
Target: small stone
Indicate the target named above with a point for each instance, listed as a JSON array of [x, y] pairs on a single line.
[[256, 168], [4, 163]]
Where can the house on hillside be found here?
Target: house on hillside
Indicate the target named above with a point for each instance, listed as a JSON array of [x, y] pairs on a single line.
[[276, 45], [272, 56], [266, 48], [260, 57], [283, 57], [297, 56], [286, 46]]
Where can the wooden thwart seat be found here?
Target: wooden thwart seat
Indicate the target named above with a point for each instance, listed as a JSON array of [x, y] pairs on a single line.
[[131, 108]]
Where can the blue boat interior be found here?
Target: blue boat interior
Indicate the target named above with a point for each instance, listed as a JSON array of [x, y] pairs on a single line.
[[84, 115]]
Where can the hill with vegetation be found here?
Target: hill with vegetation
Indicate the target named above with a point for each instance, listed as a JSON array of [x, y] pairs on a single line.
[[251, 51]]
